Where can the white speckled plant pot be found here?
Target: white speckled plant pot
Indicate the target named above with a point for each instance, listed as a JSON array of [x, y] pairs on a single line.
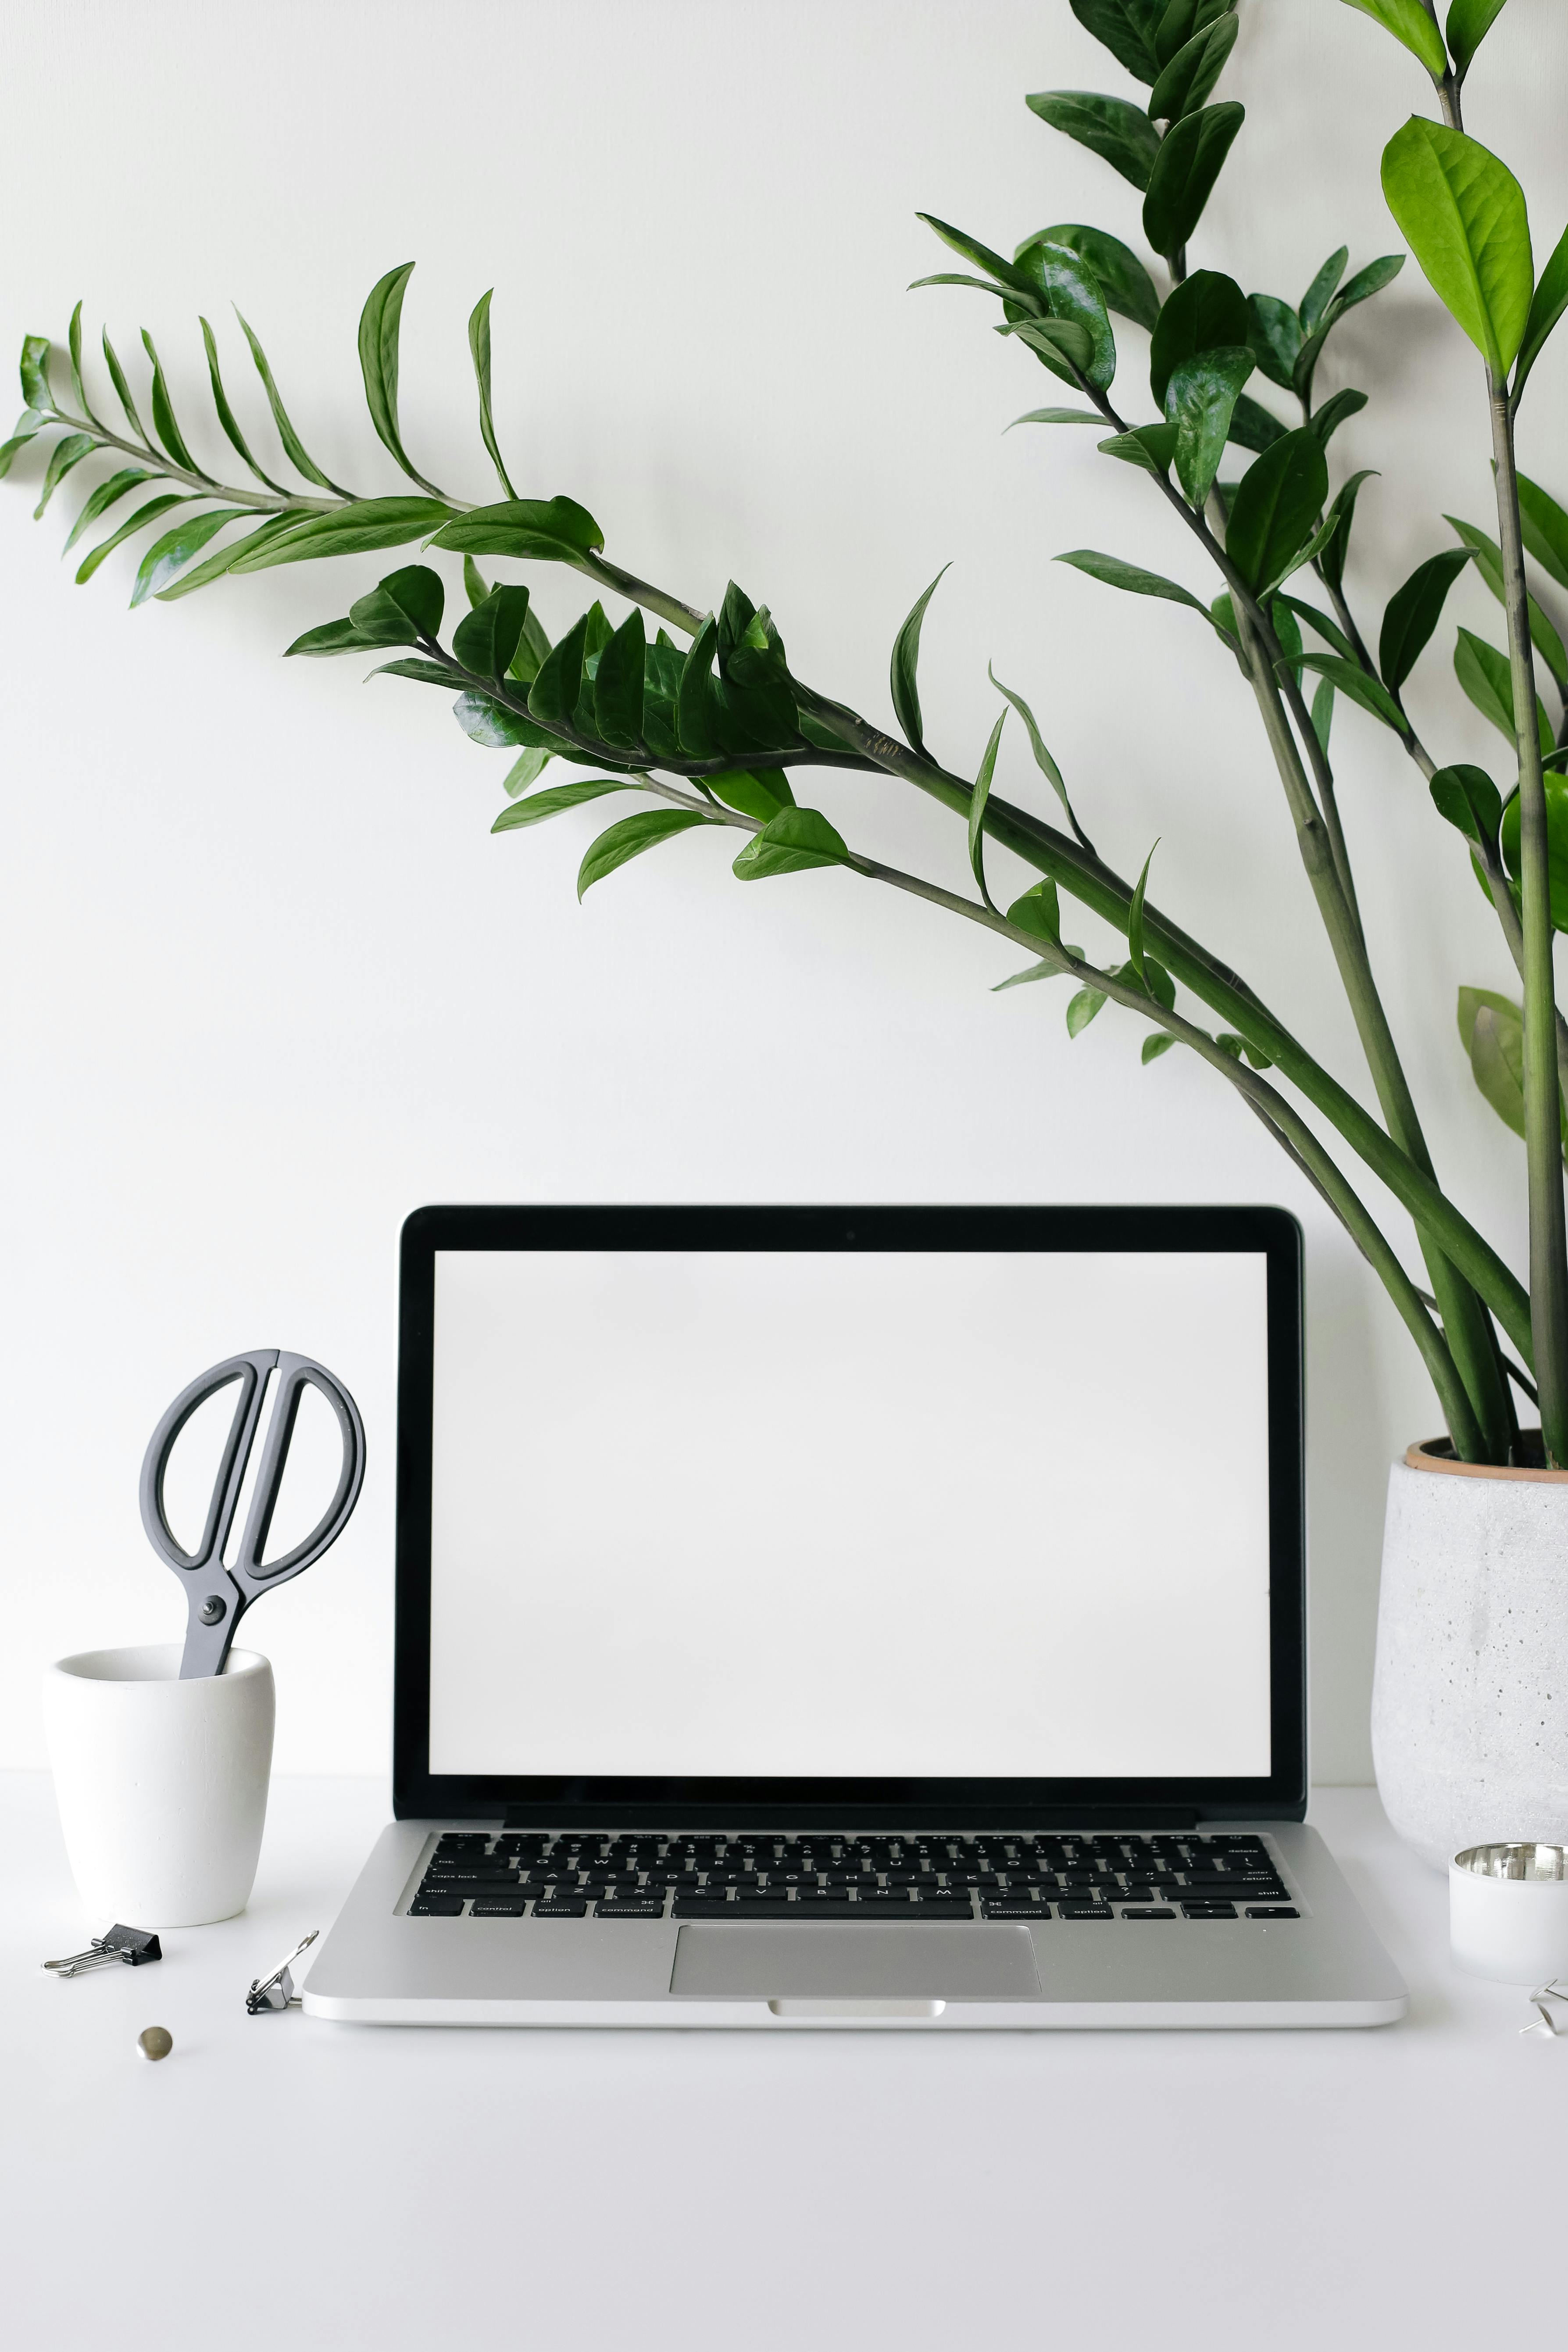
[[1470, 1703]]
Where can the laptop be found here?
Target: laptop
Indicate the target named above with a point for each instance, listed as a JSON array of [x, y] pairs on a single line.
[[819, 1618]]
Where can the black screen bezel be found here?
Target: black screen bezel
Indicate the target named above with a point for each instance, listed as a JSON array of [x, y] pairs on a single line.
[[688, 1804]]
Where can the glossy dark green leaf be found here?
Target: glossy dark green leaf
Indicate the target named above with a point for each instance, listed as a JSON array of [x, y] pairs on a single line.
[[1038, 912], [1360, 686], [1469, 22], [1071, 295], [1276, 504], [493, 725], [1042, 760], [36, 390], [1326, 421], [1367, 282], [1252, 427], [1469, 800], [1056, 416], [73, 346], [903, 674], [1547, 305], [1342, 514], [1130, 576], [331, 638], [121, 389], [1556, 844], [1160, 1042], [479, 351], [68, 451], [978, 797], [293, 447], [1191, 158], [554, 529], [790, 842], [1189, 79], [552, 697], [533, 648], [1489, 564], [960, 278], [1321, 292], [137, 521], [1123, 282], [1329, 631], [1150, 446], [1485, 674], [1135, 924], [425, 673], [761, 792], [629, 839], [694, 697], [1200, 399], [1126, 28], [541, 806], [1111, 128], [164, 423], [363, 527], [1408, 22], [1413, 614], [1274, 333], [618, 684], [1545, 528], [1005, 272], [201, 575], [1207, 312], [1287, 633], [1056, 340], [1181, 20], [401, 609], [106, 495], [378, 334], [486, 638], [225, 416], [1463, 215], [171, 553]]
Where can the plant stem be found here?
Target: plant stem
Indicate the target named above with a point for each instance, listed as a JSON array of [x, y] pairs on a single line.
[[1543, 1111]]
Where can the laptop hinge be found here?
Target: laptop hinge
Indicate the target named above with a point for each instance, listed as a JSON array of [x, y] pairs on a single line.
[[633, 1816]]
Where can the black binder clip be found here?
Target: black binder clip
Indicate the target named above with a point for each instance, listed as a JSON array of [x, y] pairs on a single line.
[[132, 1946]]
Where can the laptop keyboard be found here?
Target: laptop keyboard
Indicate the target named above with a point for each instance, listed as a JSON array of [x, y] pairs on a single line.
[[537, 1875]]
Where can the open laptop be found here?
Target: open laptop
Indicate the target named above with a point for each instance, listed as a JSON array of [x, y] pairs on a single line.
[[851, 1617]]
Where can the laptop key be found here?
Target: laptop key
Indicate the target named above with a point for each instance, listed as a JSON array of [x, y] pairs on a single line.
[[1003, 1907], [1274, 1911], [562, 1908], [436, 1907], [497, 1907], [1208, 1910], [1085, 1911], [1149, 1915]]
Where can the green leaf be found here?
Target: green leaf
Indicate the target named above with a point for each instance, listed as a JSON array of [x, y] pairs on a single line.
[[1181, 20], [629, 839], [425, 673], [174, 549], [1123, 282], [1469, 800], [1152, 447], [1200, 400], [1545, 529], [1323, 713], [1252, 427], [225, 416], [1137, 582], [1192, 155], [761, 792], [1361, 687], [143, 515], [1038, 912], [1274, 333], [26, 433], [1276, 504], [1556, 844], [1042, 760], [562, 797], [1111, 128], [1495, 1043], [164, 423], [1191, 76], [694, 695], [121, 389], [554, 529], [1160, 1042], [68, 451], [1329, 631], [479, 351], [1366, 283], [73, 342], [36, 390], [1005, 273], [1135, 924], [331, 638], [534, 648], [1287, 633], [401, 609], [525, 769], [1463, 215], [1487, 678], [788, 843], [1546, 307], [1489, 564], [977, 800], [1056, 416], [1414, 612], [1206, 312], [378, 331], [1055, 341], [293, 447], [905, 665], [474, 583], [225, 560], [492, 725], [1341, 514], [1469, 22], [1321, 292], [1126, 28], [1082, 1010], [1326, 421], [1071, 294], [618, 685], [363, 527], [1408, 22], [486, 638], [552, 697], [106, 495]]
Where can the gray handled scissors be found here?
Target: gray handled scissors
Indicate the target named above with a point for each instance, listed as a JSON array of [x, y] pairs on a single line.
[[218, 1596]]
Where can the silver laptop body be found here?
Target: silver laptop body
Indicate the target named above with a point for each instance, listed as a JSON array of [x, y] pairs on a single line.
[[851, 1618]]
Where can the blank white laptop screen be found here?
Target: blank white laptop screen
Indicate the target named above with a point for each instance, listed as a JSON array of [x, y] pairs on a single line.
[[802, 1514]]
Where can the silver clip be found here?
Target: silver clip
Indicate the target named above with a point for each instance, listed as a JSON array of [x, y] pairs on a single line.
[[1544, 2022], [277, 1991], [132, 1946]]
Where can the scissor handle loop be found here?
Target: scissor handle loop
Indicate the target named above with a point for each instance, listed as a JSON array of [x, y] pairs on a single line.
[[250, 1370], [295, 1374]]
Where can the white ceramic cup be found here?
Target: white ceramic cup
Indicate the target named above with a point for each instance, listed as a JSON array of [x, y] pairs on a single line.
[[1508, 1911], [161, 1784]]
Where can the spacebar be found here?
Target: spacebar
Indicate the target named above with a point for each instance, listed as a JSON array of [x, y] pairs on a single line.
[[694, 1906]]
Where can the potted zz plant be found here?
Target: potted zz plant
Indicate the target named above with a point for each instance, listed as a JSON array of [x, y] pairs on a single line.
[[706, 724]]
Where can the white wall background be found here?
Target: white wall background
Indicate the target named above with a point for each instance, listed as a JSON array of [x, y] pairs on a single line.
[[267, 982]]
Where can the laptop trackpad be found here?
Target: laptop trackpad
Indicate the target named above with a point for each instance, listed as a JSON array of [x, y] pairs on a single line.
[[825, 1962]]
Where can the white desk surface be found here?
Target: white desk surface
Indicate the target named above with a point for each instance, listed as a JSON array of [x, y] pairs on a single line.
[[282, 2183]]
